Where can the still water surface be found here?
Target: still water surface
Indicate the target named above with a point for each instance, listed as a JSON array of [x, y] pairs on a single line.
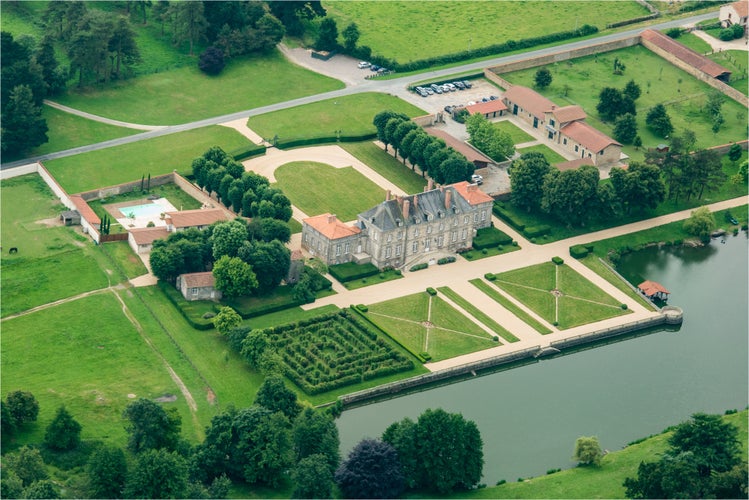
[[530, 416]]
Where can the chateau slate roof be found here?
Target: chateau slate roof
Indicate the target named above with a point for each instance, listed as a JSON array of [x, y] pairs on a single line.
[[387, 215], [329, 226]]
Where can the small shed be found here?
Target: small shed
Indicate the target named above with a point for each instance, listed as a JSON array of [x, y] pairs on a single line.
[[295, 267], [70, 217], [198, 286], [653, 290]]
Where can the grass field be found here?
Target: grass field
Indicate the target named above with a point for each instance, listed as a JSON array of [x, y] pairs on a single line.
[[477, 313], [518, 135], [683, 95], [559, 294], [129, 162], [316, 188], [551, 156], [387, 166], [351, 115], [186, 94], [382, 277], [423, 323], [125, 258], [408, 31], [597, 482], [507, 304]]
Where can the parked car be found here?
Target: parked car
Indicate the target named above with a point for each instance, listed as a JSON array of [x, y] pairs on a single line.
[[493, 98], [467, 84], [452, 87], [429, 91], [459, 85], [449, 109], [471, 103], [363, 64], [445, 88], [477, 179], [374, 67]]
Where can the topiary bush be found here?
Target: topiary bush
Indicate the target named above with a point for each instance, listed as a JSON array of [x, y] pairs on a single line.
[[490, 276], [419, 267], [557, 260], [578, 251], [624, 307], [431, 291]]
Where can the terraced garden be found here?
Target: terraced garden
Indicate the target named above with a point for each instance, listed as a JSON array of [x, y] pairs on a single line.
[[559, 294], [427, 324]]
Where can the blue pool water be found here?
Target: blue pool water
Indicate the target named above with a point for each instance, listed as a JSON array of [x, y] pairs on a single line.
[[142, 210]]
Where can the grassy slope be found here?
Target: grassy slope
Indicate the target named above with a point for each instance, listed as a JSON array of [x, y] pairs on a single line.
[[321, 190], [586, 77], [408, 31], [130, 162], [352, 115], [387, 166], [551, 156], [603, 482]]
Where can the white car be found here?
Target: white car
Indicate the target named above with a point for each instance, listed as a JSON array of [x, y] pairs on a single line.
[[477, 179], [364, 64]]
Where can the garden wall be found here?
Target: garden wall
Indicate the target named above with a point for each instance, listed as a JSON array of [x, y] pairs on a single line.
[[493, 77], [126, 187], [9, 173], [613, 331], [55, 187], [428, 120], [563, 56], [700, 75]]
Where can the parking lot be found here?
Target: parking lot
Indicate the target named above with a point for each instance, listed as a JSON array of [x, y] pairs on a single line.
[[437, 102]]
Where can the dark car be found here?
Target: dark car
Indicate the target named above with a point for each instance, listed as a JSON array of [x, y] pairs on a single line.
[[467, 84], [374, 68]]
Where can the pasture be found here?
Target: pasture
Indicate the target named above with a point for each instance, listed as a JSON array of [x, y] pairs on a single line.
[[559, 294], [410, 31], [423, 323], [316, 188], [342, 116], [129, 162], [580, 81]]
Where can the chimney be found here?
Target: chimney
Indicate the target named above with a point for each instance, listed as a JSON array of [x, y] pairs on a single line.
[[387, 195], [406, 206], [430, 185], [331, 218], [416, 202], [448, 199]]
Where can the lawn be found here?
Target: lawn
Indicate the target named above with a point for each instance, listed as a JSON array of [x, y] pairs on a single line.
[[477, 313], [559, 294], [683, 95], [91, 370], [349, 116], [422, 323], [125, 258], [129, 162], [408, 31], [518, 135], [186, 94], [384, 164], [316, 188], [597, 482], [734, 60], [551, 156], [382, 277], [510, 306]]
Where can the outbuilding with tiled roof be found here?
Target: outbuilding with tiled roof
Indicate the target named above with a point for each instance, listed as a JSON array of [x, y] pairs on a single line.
[[527, 104], [198, 286], [675, 52], [141, 239], [588, 142], [199, 218], [490, 109], [734, 13], [331, 240], [653, 290]]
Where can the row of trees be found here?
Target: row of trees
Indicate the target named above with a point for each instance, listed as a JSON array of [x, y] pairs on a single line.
[[496, 143], [432, 155]]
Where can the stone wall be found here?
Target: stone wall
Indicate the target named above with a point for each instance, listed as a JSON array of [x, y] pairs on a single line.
[[495, 78], [126, 187], [9, 173]]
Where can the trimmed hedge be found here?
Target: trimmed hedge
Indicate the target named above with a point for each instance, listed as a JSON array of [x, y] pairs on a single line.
[[557, 260], [242, 153], [419, 267], [508, 218], [490, 237], [294, 143], [634, 20], [186, 308], [351, 271], [368, 319], [578, 251], [431, 291], [445, 260], [490, 276], [537, 231], [259, 306]]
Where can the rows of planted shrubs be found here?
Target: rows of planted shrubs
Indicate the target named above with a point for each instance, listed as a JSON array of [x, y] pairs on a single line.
[[331, 351]]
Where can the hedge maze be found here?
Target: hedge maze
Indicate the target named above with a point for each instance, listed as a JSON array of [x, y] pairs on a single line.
[[334, 350]]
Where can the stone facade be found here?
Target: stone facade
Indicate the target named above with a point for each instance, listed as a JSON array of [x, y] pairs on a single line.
[[404, 230]]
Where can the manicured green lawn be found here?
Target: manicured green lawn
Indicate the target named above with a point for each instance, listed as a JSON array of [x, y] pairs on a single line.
[[316, 188], [517, 134], [449, 27], [387, 166], [488, 252], [90, 369], [478, 314], [498, 298], [428, 324], [695, 43], [129, 162], [593, 262], [382, 277], [683, 95], [559, 294], [186, 94], [551, 156], [351, 115], [124, 256], [597, 482], [68, 131]]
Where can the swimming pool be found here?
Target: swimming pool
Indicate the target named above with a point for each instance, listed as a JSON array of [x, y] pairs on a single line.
[[144, 210]]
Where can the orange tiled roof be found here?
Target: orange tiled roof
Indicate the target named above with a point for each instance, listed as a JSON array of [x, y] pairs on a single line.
[[86, 211], [487, 107], [329, 226], [147, 235], [461, 147], [197, 217], [590, 138], [471, 193], [685, 54], [568, 113], [198, 280], [529, 99], [650, 288], [741, 8]]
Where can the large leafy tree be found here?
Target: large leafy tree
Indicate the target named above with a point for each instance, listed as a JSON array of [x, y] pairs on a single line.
[[571, 195], [370, 471], [54, 76], [327, 35], [275, 396], [27, 464], [64, 432], [88, 48], [107, 473], [350, 37], [157, 474], [402, 436], [292, 13], [381, 120], [122, 47], [454, 169], [312, 478], [315, 433], [704, 172], [44, 489], [227, 320], [527, 179], [227, 237], [234, 277], [22, 406], [263, 445], [640, 186], [150, 426], [625, 128], [189, 23], [496, 143], [613, 102], [713, 443], [23, 127], [658, 121], [542, 78], [588, 451], [270, 262]]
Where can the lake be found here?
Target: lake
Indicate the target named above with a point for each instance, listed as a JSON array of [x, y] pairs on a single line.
[[530, 416]]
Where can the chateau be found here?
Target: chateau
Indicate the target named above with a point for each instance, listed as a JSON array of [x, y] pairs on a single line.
[[402, 230]]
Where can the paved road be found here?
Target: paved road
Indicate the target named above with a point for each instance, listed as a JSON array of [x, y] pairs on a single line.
[[395, 86]]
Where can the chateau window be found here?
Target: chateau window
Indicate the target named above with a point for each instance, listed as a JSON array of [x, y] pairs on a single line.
[[400, 235], [305, 237], [551, 122], [415, 247], [475, 218], [426, 244], [194, 291], [388, 251], [455, 221], [398, 249], [576, 149], [440, 241], [390, 238], [483, 215], [429, 229], [416, 232], [347, 248], [318, 246], [442, 226], [565, 141], [463, 234], [465, 220], [338, 249], [455, 236]]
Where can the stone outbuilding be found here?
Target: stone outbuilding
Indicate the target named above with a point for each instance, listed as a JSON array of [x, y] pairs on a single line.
[[734, 13], [199, 218], [141, 239], [198, 286]]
